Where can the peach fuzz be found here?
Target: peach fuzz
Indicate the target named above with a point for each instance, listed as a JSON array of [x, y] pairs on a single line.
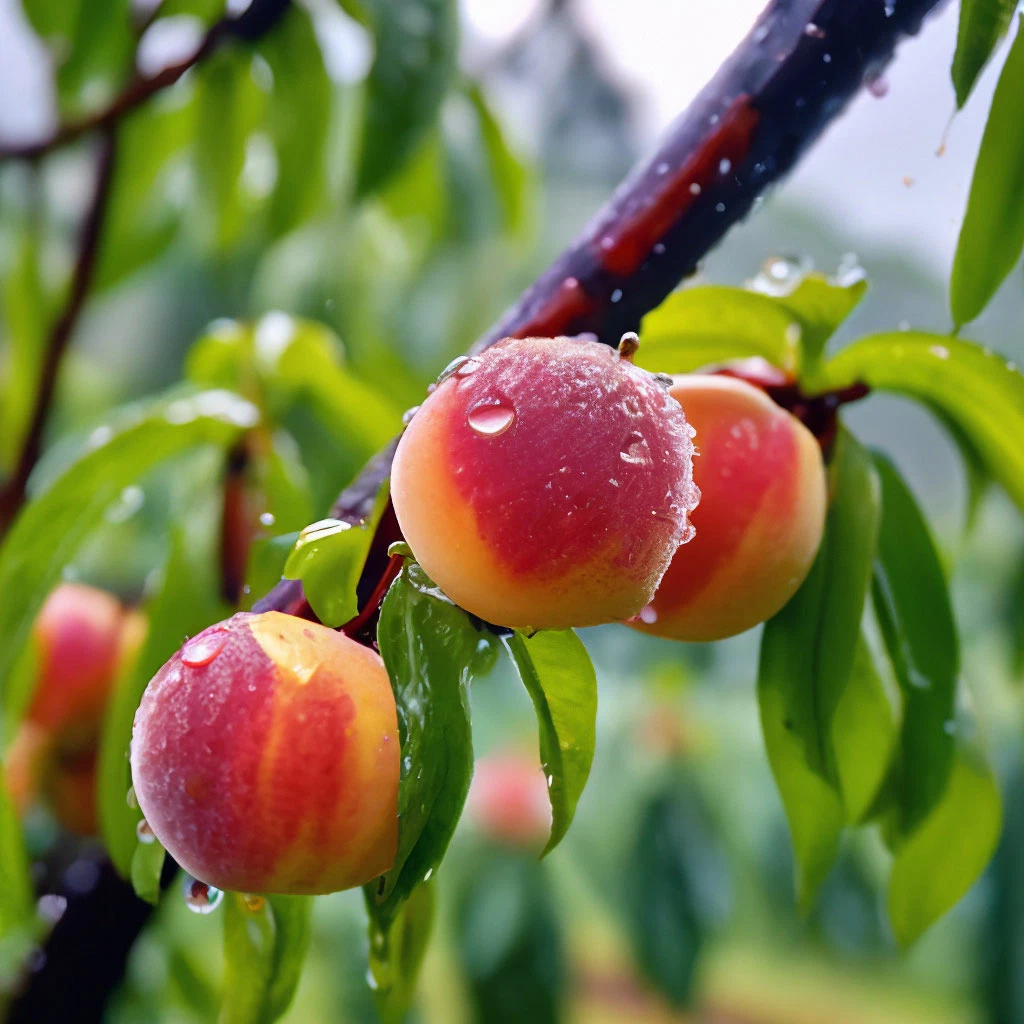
[[546, 483], [760, 520], [265, 757]]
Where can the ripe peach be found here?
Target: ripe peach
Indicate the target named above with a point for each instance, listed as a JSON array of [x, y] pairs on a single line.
[[508, 800], [265, 757], [546, 483], [760, 520]]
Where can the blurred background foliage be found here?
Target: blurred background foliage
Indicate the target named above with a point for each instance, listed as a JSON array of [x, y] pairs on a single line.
[[397, 173]]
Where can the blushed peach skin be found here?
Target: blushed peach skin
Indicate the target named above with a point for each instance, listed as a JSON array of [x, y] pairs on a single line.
[[265, 757], [760, 520], [545, 483]]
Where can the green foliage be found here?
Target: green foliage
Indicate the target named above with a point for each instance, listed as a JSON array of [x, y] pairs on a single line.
[[147, 864], [17, 908], [974, 388], [414, 62], [992, 235], [788, 326], [397, 951], [185, 604], [828, 724], [509, 939], [427, 644], [555, 669], [51, 528], [982, 24]]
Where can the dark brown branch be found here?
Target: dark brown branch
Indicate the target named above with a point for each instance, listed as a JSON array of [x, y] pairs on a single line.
[[258, 18], [12, 497], [784, 84]]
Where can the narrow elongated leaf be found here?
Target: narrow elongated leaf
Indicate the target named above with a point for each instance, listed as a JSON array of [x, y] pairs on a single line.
[[947, 852], [992, 235], [248, 958], [427, 644], [186, 603], [982, 24], [147, 864], [416, 45], [559, 677], [99, 56], [396, 953], [298, 118], [974, 388], [828, 725], [293, 931], [53, 525], [912, 604], [17, 908]]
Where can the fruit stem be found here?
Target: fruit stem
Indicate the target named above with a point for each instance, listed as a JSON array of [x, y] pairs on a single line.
[[356, 625]]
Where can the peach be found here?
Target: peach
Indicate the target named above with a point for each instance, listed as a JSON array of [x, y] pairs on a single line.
[[546, 483], [760, 519], [265, 757], [508, 800]]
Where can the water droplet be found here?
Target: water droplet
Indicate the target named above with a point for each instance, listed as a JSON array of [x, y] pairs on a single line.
[[200, 898], [694, 189], [128, 503], [714, 119], [890, 8], [814, 31], [635, 450], [144, 833], [371, 981], [662, 168], [919, 679], [99, 437], [268, 519], [904, 325], [607, 243], [648, 615], [133, 800], [877, 85], [793, 333], [616, 295], [408, 415], [779, 275], [460, 366], [202, 649], [720, 207], [253, 902], [949, 727], [491, 420], [724, 166], [826, 58], [939, 351], [658, 248], [51, 907], [849, 272]]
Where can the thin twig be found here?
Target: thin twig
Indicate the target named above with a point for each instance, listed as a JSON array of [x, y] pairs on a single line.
[[12, 497]]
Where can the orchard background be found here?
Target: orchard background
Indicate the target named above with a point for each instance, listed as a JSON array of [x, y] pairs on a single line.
[[238, 241]]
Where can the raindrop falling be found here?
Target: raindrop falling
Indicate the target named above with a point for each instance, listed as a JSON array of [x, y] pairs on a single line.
[[202, 649], [200, 898], [268, 519], [144, 833], [491, 420]]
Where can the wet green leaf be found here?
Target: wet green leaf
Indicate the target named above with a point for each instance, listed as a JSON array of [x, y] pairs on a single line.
[[248, 958], [17, 908], [147, 864], [415, 50], [396, 953], [556, 670], [293, 931], [55, 523], [976, 389], [267, 558], [992, 235], [427, 644], [982, 24]]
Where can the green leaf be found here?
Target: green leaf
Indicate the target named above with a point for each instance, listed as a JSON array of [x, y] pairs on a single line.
[[973, 387], [17, 908], [982, 24], [284, 482], [267, 557], [52, 527], [992, 235], [510, 940], [293, 931], [676, 886], [298, 118], [53, 20], [416, 44], [828, 725], [227, 109], [976, 474], [185, 604], [427, 644], [396, 953], [147, 864], [559, 677], [248, 958], [699, 327], [946, 854], [328, 557], [911, 601], [143, 216]]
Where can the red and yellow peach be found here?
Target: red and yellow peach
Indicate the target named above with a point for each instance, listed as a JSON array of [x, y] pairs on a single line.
[[265, 757], [546, 483], [760, 519]]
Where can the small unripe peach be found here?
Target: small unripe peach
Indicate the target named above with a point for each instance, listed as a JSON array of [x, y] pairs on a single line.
[[265, 757], [508, 800], [546, 483], [760, 520]]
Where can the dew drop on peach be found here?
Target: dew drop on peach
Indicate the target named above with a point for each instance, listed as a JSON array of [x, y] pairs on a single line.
[[200, 898], [491, 420], [202, 649]]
